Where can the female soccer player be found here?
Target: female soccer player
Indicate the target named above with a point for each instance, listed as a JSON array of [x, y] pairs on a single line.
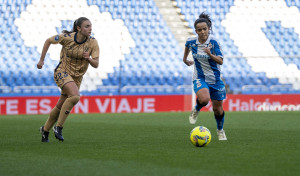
[[79, 50], [208, 57]]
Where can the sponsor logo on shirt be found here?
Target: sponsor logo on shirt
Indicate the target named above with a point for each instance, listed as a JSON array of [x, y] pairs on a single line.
[[200, 56]]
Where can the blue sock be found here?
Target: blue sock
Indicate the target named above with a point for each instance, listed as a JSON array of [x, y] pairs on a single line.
[[198, 105], [198, 108], [220, 120]]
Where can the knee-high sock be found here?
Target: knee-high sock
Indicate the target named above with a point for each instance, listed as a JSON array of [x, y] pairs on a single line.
[[66, 109], [198, 105], [53, 116], [220, 120]]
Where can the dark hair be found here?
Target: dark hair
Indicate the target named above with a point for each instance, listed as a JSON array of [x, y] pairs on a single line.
[[77, 22], [203, 17]]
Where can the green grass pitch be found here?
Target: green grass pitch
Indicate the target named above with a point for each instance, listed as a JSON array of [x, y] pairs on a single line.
[[259, 143]]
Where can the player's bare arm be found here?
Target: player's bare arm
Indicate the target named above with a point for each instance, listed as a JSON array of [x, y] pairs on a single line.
[[217, 59], [186, 53], [44, 51], [94, 62]]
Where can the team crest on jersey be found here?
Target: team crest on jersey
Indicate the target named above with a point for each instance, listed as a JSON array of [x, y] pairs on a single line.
[[56, 38], [193, 45], [209, 46]]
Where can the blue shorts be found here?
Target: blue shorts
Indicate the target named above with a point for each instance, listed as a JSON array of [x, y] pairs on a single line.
[[216, 91]]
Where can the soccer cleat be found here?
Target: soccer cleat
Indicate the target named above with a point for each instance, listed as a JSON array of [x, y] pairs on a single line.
[[58, 133], [193, 116], [44, 134], [221, 135]]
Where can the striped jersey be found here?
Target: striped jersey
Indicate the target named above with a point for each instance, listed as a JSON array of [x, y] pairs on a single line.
[[71, 55], [204, 67]]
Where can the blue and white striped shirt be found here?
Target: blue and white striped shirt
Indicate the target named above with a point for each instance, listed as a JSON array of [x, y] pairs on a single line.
[[204, 67]]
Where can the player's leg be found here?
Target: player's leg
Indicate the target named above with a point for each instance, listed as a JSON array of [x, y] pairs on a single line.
[[218, 94], [53, 116], [220, 117], [55, 112], [203, 97], [219, 113], [71, 89]]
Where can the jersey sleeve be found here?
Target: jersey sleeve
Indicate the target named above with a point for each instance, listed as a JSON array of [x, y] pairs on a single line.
[[57, 39], [95, 49], [217, 49], [190, 42], [187, 44]]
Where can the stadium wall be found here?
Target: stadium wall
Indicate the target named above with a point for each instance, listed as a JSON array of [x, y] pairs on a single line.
[[147, 104]]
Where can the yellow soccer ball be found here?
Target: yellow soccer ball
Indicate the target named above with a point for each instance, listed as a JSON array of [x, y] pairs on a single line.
[[200, 136]]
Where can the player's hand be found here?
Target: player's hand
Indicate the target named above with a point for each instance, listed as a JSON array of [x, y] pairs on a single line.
[[207, 50], [40, 64], [86, 56], [188, 62]]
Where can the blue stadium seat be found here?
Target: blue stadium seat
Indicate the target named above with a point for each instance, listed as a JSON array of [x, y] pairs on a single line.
[[155, 59]]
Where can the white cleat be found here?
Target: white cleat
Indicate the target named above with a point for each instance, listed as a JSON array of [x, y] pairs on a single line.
[[193, 116], [221, 135]]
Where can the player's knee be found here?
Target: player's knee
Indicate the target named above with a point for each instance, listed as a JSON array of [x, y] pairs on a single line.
[[74, 99], [204, 101]]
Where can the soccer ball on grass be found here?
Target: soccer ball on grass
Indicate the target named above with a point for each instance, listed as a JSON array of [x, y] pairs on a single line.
[[200, 136]]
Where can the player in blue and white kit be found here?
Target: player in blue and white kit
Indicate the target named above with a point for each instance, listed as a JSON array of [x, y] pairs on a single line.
[[207, 56]]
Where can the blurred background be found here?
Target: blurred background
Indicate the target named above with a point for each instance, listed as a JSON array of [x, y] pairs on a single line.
[[142, 42]]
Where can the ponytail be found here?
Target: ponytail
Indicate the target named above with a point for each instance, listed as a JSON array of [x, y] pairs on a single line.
[[77, 22], [203, 17]]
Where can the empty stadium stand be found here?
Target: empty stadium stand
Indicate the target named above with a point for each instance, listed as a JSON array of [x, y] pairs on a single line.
[[252, 74], [139, 54]]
